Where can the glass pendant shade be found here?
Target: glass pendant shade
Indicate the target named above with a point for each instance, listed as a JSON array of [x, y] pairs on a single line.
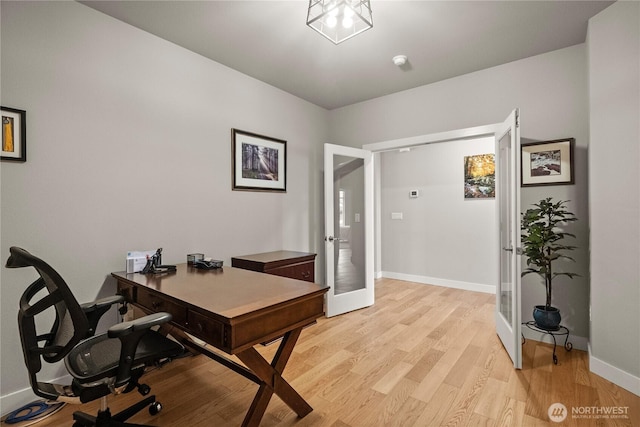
[[339, 20]]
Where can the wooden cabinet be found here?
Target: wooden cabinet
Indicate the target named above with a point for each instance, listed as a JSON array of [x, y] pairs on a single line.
[[296, 265]]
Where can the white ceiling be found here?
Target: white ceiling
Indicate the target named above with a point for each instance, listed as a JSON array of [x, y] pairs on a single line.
[[269, 40]]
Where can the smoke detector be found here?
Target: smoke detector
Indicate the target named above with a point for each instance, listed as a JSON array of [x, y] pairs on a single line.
[[399, 60]]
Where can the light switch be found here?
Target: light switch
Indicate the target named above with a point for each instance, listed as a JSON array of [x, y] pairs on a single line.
[[357, 217], [396, 215]]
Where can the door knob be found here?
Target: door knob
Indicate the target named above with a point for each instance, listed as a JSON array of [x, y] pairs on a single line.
[[329, 239]]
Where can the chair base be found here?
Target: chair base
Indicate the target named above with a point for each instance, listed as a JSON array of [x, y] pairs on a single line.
[[105, 419]]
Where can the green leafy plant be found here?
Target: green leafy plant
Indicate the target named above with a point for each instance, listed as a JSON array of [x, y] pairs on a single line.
[[542, 240]]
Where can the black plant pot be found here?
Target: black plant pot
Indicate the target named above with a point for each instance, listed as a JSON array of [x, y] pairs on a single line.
[[547, 318]]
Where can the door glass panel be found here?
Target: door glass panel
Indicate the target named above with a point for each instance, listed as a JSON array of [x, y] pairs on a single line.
[[506, 252], [349, 221]]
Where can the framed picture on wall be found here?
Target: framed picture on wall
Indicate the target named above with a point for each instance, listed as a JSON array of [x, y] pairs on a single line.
[[480, 176], [14, 134], [547, 163], [259, 162]]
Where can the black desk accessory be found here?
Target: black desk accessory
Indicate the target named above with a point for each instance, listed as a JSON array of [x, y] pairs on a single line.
[[208, 265], [154, 264]]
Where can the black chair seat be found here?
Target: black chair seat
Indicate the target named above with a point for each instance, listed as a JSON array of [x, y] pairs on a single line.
[[99, 356]]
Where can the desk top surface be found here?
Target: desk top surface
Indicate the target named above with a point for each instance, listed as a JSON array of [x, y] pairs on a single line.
[[268, 257], [228, 292]]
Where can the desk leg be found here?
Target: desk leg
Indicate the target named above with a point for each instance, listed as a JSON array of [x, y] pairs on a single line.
[[272, 381]]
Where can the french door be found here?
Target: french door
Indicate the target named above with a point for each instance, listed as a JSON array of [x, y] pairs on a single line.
[[348, 201], [508, 323]]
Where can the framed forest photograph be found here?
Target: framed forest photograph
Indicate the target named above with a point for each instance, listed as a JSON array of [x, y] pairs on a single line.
[[547, 163], [480, 176], [259, 162]]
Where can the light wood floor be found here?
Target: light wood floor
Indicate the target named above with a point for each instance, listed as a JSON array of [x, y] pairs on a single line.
[[421, 356]]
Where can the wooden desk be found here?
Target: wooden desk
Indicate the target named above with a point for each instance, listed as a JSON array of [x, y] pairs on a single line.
[[234, 309]]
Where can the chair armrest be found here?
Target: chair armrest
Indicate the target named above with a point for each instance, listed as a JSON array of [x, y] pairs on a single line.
[[130, 333], [143, 323], [95, 309], [102, 302]]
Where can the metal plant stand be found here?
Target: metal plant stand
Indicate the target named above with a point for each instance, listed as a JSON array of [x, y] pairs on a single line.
[[561, 331]]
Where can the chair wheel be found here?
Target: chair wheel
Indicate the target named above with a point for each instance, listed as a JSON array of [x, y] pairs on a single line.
[[144, 389], [155, 408]]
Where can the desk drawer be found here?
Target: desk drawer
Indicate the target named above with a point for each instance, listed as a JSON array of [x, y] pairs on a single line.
[[127, 291], [302, 271], [207, 329], [156, 303]]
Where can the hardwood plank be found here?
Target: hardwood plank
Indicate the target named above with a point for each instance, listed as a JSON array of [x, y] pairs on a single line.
[[387, 383], [468, 397], [459, 373], [422, 367], [429, 385], [437, 408], [492, 400], [391, 405], [510, 414]]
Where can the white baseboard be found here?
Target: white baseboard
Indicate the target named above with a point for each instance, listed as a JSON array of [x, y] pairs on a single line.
[[12, 401], [467, 286], [615, 375]]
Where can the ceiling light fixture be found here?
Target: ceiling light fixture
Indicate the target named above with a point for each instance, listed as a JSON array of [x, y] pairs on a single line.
[[339, 20]]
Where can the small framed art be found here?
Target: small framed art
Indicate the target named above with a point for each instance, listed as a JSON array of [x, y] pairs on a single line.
[[548, 163], [259, 162], [480, 176], [14, 134]]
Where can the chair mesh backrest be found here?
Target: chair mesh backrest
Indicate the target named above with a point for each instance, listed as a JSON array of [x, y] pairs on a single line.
[[49, 293]]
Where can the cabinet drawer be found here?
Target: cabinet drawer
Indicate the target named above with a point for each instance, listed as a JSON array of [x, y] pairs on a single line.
[[157, 303], [207, 329], [303, 271]]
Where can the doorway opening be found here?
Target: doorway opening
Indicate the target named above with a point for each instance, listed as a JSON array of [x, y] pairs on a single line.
[[433, 229]]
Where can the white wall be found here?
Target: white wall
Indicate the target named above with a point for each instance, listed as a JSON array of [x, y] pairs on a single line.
[[129, 147], [551, 92], [443, 236], [614, 156]]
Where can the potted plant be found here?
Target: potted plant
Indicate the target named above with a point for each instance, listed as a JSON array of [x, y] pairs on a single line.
[[542, 242]]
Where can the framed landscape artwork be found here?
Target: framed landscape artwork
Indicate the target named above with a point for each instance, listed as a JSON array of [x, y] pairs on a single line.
[[259, 162], [14, 138], [479, 176], [548, 163]]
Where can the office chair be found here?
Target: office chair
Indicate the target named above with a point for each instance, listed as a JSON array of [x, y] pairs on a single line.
[[108, 363]]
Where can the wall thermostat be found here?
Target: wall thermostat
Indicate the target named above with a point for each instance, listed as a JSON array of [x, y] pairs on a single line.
[[413, 194]]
